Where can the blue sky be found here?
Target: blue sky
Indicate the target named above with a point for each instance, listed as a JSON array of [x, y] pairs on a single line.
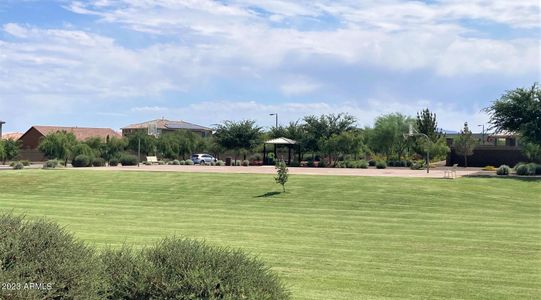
[[109, 63]]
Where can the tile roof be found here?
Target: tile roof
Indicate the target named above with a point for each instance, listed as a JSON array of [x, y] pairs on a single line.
[[81, 133], [168, 124], [11, 135]]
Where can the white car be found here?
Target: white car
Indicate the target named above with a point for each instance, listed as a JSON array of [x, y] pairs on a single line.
[[202, 157]]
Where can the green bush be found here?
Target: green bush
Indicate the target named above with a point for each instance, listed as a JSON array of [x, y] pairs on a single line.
[[161, 162], [372, 163], [188, 269], [538, 169], [381, 165], [237, 163], [212, 163], [128, 160], [113, 162], [321, 164], [220, 163], [503, 170], [182, 162], [340, 164], [351, 164], [18, 166], [98, 162], [363, 164], [25, 163], [50, 164], [390, 163], [310, 163], [417, 165], [409, 163], [525, 169], [175, 162], [42, 252], [80, 161], [189, 162], [245, 163]]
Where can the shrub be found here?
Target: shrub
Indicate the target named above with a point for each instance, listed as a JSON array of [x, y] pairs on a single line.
[[538, 169], [351, 164], [417, 165], [25, 163], [372, 163], [187, 269], [381, 165], [340, 164], [390, 163], [182, 162], [80, 161], [42, 252], [50, 164], [503, 170], [128, 160], [175, 162], [489, 168], [189, 162], [310, 163], [237, 163], [98, 162], [322, 164], [18, 166], [220, 163], [113, 162], [245, 163], [294, 164], [363, 164], [409, 163], [525, 169], [212, 163], [161, 162]]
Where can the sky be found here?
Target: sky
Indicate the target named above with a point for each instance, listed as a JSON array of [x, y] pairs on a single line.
[[110, 63]]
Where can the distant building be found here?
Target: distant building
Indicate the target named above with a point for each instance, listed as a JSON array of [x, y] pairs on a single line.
[[31, 138], [491, 150], [164, 126], [1, 123]]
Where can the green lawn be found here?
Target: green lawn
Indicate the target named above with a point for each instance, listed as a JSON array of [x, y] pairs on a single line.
[[327, 237]]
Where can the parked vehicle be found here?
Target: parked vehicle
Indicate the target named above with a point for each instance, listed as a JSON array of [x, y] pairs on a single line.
[[202, 157]]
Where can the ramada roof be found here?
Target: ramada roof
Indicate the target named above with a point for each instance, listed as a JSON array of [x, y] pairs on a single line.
[[168, 124], [81, 133]]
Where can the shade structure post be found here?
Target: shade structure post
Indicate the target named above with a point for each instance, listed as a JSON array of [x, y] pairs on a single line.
[[264, 153], [289, 155]]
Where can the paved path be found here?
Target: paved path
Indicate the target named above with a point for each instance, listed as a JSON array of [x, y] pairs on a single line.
[[393, 172]]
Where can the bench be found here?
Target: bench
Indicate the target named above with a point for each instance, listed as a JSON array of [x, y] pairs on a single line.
[[152, 159], [450, 172]]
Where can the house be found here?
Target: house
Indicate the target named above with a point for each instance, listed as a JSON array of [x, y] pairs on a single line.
[[164, 125], [491, 150], [31, 138]]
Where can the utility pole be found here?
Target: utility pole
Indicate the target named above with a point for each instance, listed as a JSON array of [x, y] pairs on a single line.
[[482, 133], [276, 115]]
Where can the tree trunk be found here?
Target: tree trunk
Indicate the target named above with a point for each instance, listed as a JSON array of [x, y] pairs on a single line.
[[465, 161]]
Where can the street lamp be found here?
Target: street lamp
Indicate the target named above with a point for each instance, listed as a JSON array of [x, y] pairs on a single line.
[[276, 115], [482, 133], [413, 132]]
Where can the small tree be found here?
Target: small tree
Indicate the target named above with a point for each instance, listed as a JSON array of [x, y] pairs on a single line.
[[281, 172], [11, 149], [58, 145], [465, 143]]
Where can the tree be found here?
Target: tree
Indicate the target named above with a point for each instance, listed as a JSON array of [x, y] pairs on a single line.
[[465, 143], [239, 136], [282, 174], [323, 127], [348, 142], [437, 144], [148, 142], [427, 124], [11, 149], [114, 147], [387, 136], [2, 152], [518, 111], [58, 145]]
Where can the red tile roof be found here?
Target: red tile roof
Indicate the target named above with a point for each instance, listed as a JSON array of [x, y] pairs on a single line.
[[11, 135], [81, 133]]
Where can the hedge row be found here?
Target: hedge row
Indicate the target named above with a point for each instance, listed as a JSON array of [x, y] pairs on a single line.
[[41, 252]]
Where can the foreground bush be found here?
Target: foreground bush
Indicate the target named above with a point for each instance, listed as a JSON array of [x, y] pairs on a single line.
[[128, 160], [503, 170], [18, 166], [381, 165], [42, 252], [525, 169], [188, 269], [80, 161]]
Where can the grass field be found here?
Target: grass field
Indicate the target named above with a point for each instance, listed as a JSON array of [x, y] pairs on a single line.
[[327, 237]]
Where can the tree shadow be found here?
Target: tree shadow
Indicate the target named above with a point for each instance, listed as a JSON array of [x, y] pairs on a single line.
[[268, 194], [509, 177]]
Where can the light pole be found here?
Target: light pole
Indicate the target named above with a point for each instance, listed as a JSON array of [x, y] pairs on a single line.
[[413, 132], [482, 133], [276, 115]]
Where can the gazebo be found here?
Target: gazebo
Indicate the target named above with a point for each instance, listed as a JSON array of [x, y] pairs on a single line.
[[281, 141]]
